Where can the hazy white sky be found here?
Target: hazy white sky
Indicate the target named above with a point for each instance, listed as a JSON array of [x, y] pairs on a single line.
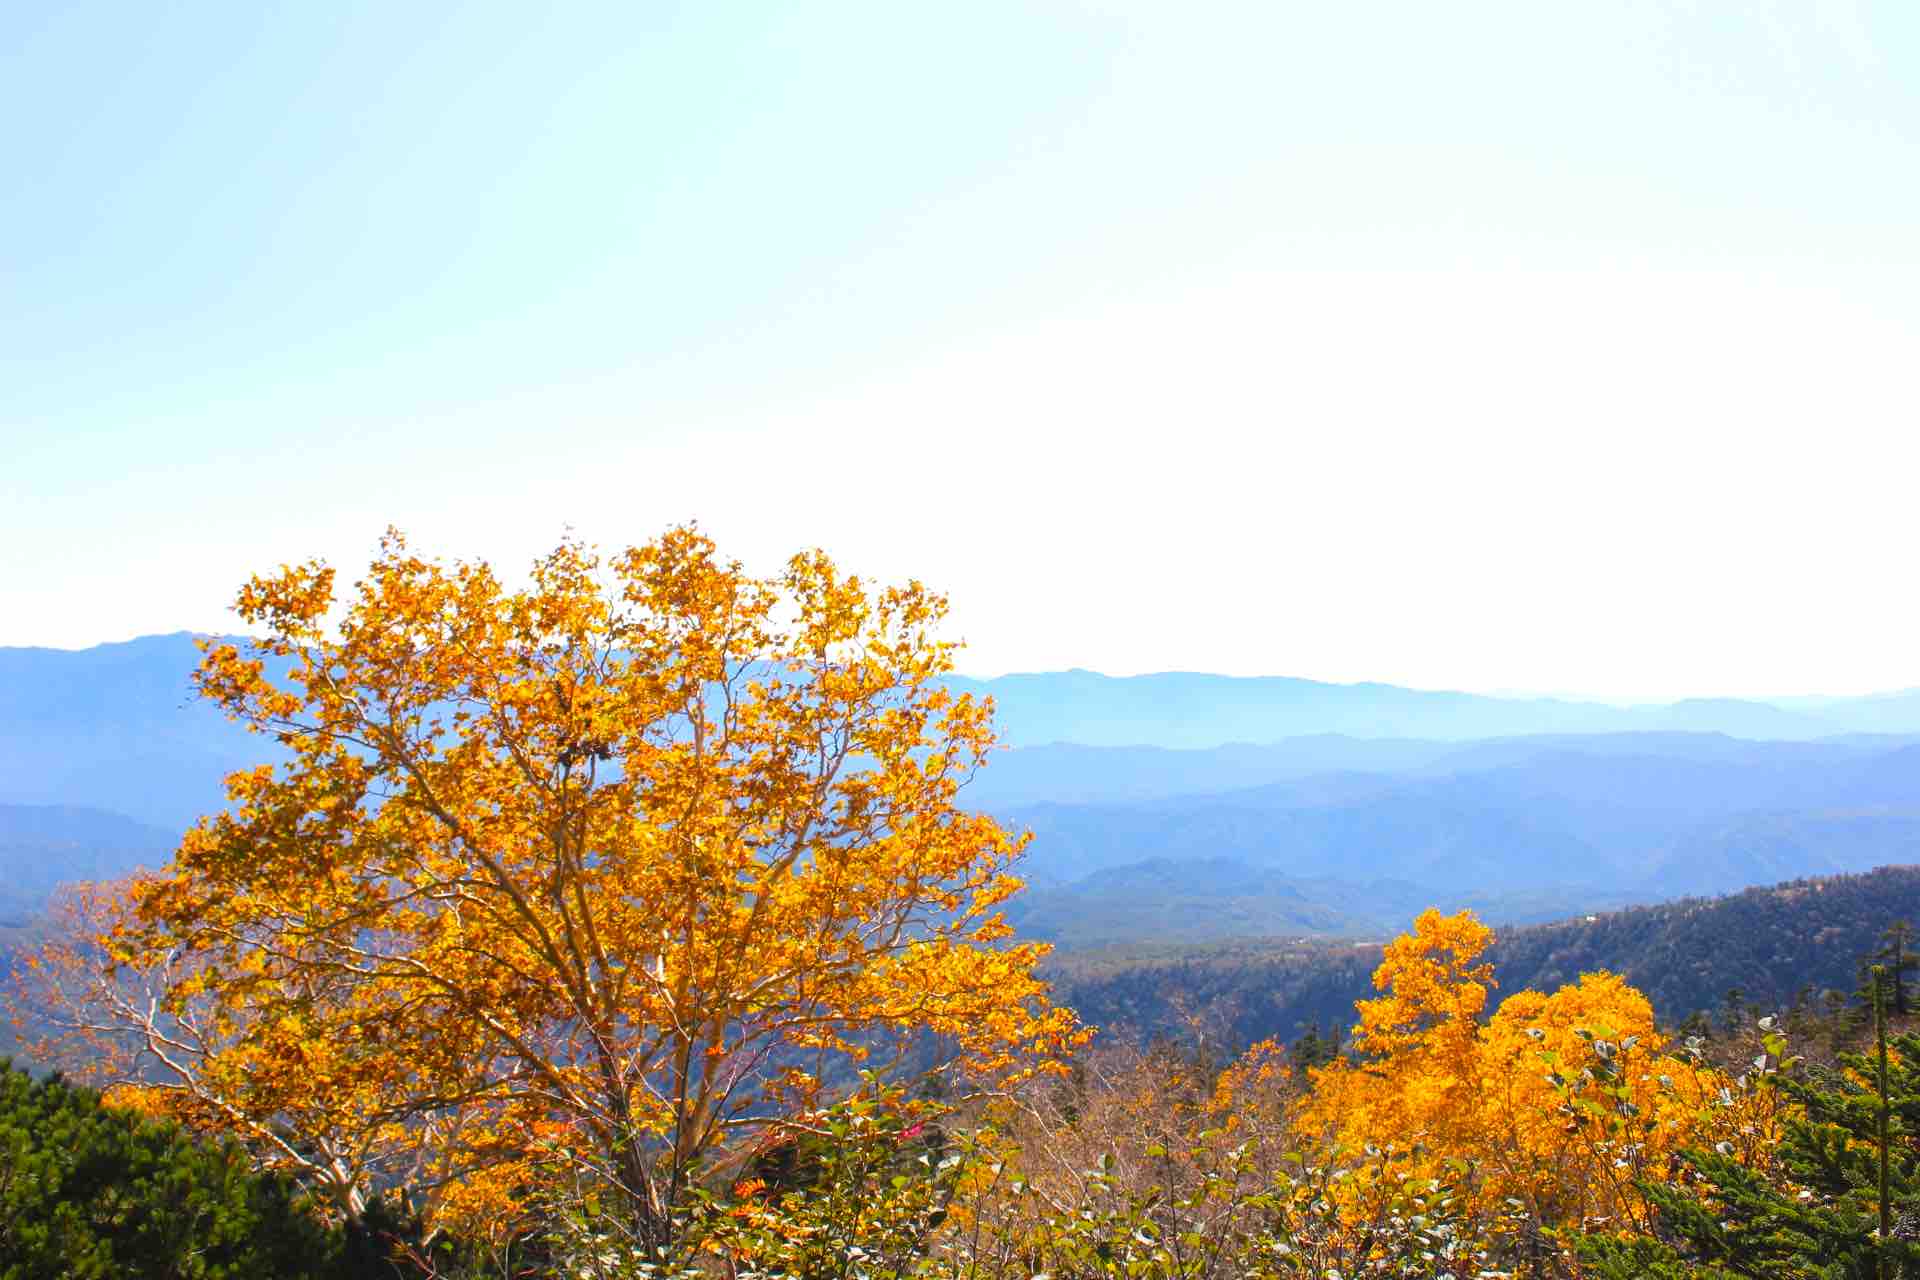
[[1492, 346]]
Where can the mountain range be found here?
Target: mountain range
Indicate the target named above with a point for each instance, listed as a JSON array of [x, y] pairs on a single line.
[[1172, 807], [44, 846], [1189, 709], [1520, 830]]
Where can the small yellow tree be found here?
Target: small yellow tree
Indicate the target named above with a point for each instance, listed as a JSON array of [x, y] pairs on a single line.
[[581, 876], [1420, 1037], [1580, 1099], [1558, 1101]]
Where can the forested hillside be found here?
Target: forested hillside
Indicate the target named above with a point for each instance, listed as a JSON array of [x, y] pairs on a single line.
[[1770, 944]]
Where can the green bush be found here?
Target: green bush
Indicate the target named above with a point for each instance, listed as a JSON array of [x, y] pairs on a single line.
[[87, 1191]]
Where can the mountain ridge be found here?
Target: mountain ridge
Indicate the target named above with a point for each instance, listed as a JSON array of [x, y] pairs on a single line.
[[1776, 942], [1374, 789]]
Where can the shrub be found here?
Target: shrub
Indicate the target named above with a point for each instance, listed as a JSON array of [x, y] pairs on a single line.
[[88, 1191]]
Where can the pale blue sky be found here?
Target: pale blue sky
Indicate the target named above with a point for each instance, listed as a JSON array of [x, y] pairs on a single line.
[[1485, 345]]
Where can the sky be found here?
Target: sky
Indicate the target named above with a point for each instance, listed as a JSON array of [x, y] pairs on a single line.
[[1501, 346]]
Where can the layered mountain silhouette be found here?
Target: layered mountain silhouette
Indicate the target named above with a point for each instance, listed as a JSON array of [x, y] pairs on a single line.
[[116, 727], [44, 846], [1186, 709], [1520, 830], [1174, 806]]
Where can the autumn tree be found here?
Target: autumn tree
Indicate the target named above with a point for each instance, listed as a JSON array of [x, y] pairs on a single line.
[[1560, 1102], [1419, 1036], [1578, 1097], [579, 877]]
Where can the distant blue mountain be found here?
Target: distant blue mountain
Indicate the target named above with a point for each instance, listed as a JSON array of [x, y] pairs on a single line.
[[1307, 805], [118, 727], [42, 846], [1170, 900], [1632, 817], [1756, 848], [1186, 709], [1069, 773]]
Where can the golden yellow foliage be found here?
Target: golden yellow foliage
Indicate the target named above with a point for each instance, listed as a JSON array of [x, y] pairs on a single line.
[[1558, 1101], [573, 876], [1422, 1037]]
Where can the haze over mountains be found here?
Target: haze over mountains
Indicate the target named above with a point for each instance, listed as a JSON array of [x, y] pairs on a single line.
[[44, 846], [1521, 830], [1185, 709], [115, 727], [1173, 806]]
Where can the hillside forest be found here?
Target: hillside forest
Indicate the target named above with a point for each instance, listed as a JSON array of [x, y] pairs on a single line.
[[633, 921]]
